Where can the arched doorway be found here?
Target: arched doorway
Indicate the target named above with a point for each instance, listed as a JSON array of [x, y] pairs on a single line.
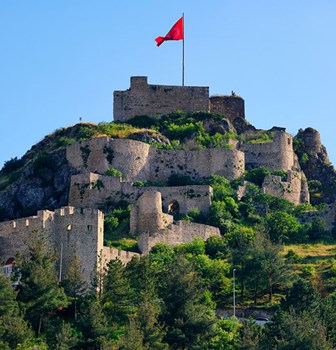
[[174, 207]]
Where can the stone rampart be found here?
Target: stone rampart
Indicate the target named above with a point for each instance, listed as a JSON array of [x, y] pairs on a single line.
[[122, 255], [294, 189], [90, 190], [140, 161], [275, 155], [98, 154], [231, 107], [179, 233], [71, 232], [153, 226], [153, 100], [196, 164]]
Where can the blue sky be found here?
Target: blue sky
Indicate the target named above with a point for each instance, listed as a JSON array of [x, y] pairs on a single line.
[[62, 59]]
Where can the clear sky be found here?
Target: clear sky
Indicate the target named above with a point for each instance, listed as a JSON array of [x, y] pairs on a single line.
[[62, 59]]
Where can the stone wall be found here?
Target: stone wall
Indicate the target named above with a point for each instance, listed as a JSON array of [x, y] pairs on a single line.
[[71, 232], [90, 190], [99, 154], [180, 233], [275, 155], [153, 226], [294, 189], [231, 107], [196, 164], [153, 100], [140, 161]]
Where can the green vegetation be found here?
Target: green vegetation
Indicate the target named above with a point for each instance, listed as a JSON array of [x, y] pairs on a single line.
[[113, 172], [260, 136], [149, 305]]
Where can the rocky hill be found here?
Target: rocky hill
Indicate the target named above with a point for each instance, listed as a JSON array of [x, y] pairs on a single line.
[[41, 179]]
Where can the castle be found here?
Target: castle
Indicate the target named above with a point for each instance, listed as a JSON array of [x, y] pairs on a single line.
[[78, 230]]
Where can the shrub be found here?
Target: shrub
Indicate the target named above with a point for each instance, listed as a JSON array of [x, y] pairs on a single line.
[[292, 257], [113, 172], [179, 180], [257, 175], [12, 165]]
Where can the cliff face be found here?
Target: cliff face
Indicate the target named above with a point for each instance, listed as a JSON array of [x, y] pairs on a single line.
[[314, 161], [43, 183]]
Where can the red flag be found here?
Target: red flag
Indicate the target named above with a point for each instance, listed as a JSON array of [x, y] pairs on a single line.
[[175, 33]]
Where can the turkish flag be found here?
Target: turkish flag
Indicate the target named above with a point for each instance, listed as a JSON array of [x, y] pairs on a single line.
[[175, 33]]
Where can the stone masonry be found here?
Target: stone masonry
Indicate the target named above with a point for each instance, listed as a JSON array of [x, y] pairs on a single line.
[[156, 100], [153, 226], [78, 229]]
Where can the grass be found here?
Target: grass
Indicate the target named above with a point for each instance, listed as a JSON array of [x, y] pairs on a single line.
[[319, 251]]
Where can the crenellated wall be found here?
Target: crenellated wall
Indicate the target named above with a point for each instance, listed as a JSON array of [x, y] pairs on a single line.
[[153, 100], [70, 232]]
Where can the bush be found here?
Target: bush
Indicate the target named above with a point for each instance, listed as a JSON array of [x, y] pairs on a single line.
[[113, 172], [12, 165], [180, 180], [257, 175], [292, 257]]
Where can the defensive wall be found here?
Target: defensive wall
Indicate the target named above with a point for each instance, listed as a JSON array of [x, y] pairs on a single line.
[[156, 100], [293, 189], [139, 161], [275, 155], [90, 190], [70, 232], [153, 226]]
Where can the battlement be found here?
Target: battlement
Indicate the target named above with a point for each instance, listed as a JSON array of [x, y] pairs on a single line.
[[156, 100], [75, 232]]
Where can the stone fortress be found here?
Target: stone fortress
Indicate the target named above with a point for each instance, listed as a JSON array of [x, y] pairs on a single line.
[[78, 229]]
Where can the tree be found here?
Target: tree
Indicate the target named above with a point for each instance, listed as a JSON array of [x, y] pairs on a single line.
[[292, 330], [94, 326], [39, 290], [116, 292], [239, 242], [147, 304], [74, 285], [266, 266], [188, 312], [66, 339], [302, 296], [13, 328], [282, 227]]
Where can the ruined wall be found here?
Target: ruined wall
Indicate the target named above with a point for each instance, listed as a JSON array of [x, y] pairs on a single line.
[[294, 189], [153, 100], [98, 154], [196, 164], [231, 107], [15, 234], [179, 233], [139, 161], [90, 190], [122, 255], [275, 155], [153, 226]]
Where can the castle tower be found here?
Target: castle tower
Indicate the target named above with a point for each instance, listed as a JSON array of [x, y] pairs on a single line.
[[146, 214], [231, 107]]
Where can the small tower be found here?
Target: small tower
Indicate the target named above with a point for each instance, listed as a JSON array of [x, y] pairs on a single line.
[[231, 107]]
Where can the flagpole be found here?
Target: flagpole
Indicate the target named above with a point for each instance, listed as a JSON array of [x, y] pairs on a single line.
[[183, 52]]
